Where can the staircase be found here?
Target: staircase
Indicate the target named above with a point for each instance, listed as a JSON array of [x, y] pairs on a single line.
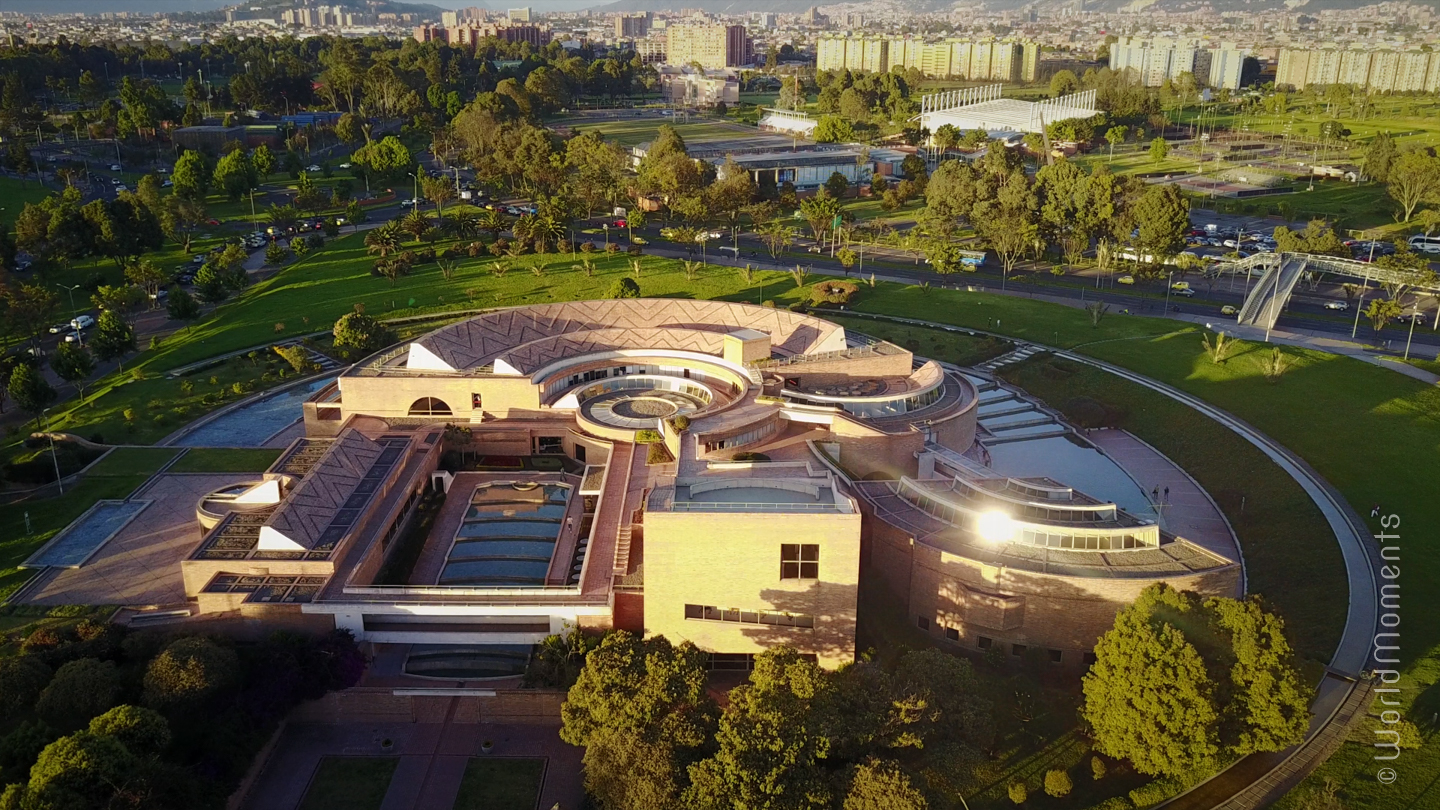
[[1023, 352]]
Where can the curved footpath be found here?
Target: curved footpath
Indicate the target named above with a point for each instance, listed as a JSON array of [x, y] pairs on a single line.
[[1259, 779]]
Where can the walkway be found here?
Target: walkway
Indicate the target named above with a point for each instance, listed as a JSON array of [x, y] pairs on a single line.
[[432, 755], [1185, 508]]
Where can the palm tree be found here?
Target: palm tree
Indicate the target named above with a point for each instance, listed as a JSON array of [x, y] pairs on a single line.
[[491, 221], [692, 269], [546, 228], [384, 240], [585, 266], [416, 224], [462, 223]]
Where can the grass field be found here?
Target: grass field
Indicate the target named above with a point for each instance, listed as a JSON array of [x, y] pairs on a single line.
[[24, 526], [226, 459], [632, 132], [14, 194], [504, 783], [127, 461], [350, 783]]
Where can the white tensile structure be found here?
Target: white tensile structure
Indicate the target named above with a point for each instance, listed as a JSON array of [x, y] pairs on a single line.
[[983, 108], [790, 122]]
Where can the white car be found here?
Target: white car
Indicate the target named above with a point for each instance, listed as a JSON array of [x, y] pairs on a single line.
[[82, 322], [344, 165], [312, 168], [1339, 306], [122, 187], [115, 167], [167, 184]]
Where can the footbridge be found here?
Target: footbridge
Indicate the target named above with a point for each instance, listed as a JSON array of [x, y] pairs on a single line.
[[1282, 271]]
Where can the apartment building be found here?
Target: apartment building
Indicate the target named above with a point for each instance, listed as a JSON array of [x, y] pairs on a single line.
[[632, 26], [991, 60], [711, 45], [1380, 71], [1157, 61]]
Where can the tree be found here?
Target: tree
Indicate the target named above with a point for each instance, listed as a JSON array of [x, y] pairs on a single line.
[[1162, 219], [819, 213], [1058, 783], [1115, 136], [80, 690], [1017, 792], [624, 287], [1380, 312], [84, 770], [1414, 178], [1152, 698], [836, 185], [22, 678], [263, 160], [146, 276], [182, 306], [385, 239], [1064, 82], [1380, 154], [640, 709], [181, 218], [777, 238], [833, 129], [386, 158], [113, 338], [1317, 238], [360, 331], [1159, 149], [73, 364], [190, 671], [191, 177], [29, 390], [140, 730], [438, 190], [882, 785], [729, 196], [29, 309]]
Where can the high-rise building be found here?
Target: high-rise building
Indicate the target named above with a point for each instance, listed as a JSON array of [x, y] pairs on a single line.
[[632, 26], [1160, 60], [1375, 70], [764, 19], [711, 45], [519, 14], [990, 60]]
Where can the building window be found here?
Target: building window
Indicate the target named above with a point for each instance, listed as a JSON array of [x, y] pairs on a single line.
[[952, 634], [580, 453], [475, 401], [736, 662], [429, 406], [1017, 650], [983, 643], [549, 444], [799, 561], [712, 613], [1089, 658], [1056, 656], [923, 622]]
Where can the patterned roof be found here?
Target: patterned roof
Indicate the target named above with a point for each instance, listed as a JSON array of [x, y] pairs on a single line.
[[320, 510], [533, 356], [631, 321]]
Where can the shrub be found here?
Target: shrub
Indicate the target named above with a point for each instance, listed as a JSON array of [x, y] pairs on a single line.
[[188, 672], [658, 454], [833, 293], [680, 423], [1018, 793], [587, 247], [475, 249], [22, 680], [1113, 803], [749, 456], [624, 287], [1157, 791], [141, 730], [648, 436], [499, 246], [1057, 783], [360, 331], [634, 250], [297, 357], [613, 247], [276, 253], [79, 691], [797, 306], [1097, 768]]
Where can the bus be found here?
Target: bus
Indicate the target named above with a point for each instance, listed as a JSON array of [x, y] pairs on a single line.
[[971, 258]]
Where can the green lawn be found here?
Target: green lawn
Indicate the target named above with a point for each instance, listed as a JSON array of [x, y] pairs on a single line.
[[14, 194], [503, 783], [48, 516], [127, 461], [635, 131], [350, 783], [962, 350], [226, 460]]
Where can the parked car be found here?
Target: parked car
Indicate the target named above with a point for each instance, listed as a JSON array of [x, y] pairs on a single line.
[[312, 168], [82, 321], [1185, 293], [122, 187], [167, 184], [1425, 244], [1338, 306], [1229, 310]]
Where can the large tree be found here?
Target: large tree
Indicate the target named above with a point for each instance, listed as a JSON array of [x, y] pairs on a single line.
[[113, 338], [73, 364], [191, 176], [1161, 218], [1414, 179]]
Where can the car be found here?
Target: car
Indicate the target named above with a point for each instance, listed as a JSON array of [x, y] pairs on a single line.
[[167, 184], [122, 187], [160, 295], [619, 223], [1421, 243], [114, 181], [1125, 280], [61, 329], [1185, 293], [82, 321], [344, 165], [162, 170], [115, 167], [1338, 306], [406, 203], [1229, 310], [73, 337], [1180, 285], [312, 168]]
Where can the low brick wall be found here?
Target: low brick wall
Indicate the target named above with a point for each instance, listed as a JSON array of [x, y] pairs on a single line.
[[382, 705]]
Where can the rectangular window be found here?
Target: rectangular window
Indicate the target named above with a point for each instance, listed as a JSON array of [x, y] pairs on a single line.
[[952, 634], [694, 612], [1017, 649], [713, 613], [1056, 656], [549, 444], [983, 643], [799, 561], [580, 453], [923, 622]]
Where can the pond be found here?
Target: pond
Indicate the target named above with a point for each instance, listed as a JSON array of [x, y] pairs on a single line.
[[251, 425]]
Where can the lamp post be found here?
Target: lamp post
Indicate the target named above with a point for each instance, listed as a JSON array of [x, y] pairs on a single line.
[[79, 335], [1414, 316], [54, 458], [415, 200]]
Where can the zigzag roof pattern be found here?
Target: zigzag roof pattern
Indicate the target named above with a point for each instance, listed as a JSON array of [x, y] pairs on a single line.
[[311, 507], [479, 340], [533, 356]]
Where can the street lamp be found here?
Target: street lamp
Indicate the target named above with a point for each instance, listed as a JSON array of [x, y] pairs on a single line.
[[1414, 316], [79, 335], [415, 200], [54, 458]]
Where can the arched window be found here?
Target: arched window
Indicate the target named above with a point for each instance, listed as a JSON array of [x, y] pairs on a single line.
[[429, 406]]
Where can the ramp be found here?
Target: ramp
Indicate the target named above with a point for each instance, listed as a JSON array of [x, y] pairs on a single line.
[[1268, 299]]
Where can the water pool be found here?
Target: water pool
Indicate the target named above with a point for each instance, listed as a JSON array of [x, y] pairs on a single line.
[[251, 425], [502, 549], [495, 573], [467, 662], [1083, 468], [490, 511], [81, 539], [540, 529]]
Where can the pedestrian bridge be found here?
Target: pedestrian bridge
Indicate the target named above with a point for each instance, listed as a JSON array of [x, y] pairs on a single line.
[[1282, 271]]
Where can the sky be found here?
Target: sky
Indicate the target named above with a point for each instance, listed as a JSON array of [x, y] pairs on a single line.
[[157, 6]]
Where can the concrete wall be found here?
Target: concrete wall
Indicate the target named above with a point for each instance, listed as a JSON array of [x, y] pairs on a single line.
[[733, 561], [838, 370], [391, 396], [366, 704]]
